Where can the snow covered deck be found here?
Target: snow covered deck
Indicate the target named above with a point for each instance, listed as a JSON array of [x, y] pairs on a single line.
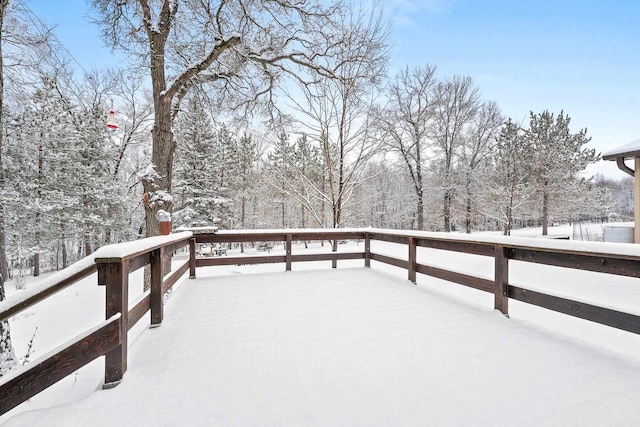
[[351, 346]]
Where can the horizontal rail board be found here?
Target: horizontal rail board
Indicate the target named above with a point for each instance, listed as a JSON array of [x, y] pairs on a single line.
[[327, 256], [239, 238], [389, 238], [278, 236], [172, 278], [597, 263], [138, 311], [45, 373], [333, 235], [456, 246], [616, 319], [139, 262], [45, 293], [175, 246], [389, 260], [241, 260], [460, 278]]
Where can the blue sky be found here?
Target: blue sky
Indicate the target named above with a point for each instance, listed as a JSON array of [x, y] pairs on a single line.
[[580, 56]]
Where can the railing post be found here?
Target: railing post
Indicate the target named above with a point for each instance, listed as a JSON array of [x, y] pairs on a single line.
[[334, 248], [115, 275], [501, 299], [288, 252], [156, 287], [412, 259], [367, 250], [192, 258]]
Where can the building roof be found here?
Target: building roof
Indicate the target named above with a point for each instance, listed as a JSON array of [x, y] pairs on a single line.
[[627, 151]]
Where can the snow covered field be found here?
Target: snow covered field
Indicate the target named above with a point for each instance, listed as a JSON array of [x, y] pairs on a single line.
[[247, 345]]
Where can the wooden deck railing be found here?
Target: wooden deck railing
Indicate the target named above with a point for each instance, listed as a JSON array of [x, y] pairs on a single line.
[[115, 263], [501, 249]]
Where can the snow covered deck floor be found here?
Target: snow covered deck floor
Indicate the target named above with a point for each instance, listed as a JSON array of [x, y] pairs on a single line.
[[349, 347]]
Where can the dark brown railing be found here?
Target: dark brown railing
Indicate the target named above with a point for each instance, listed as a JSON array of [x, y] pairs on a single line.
[[115, 263]]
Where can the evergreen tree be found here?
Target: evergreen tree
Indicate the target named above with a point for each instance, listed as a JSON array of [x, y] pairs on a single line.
[[281, 172], [42, 171], [557, 156], [308, 167], [199, 176], [248, 156]]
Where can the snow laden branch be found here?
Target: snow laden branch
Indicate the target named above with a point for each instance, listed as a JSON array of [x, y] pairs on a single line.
[[192, 71]]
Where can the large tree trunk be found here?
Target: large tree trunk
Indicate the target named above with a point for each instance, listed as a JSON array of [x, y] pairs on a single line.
[[509, 225], [447, 210], [243, 214], [63, 246], [283, 205], [467, 218], [420, 209], [157, 185], [36, 264], [86, 243], [419, 184], [545, 213]]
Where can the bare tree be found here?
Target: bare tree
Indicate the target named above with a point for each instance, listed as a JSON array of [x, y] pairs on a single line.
[[405, 123], [239, 49], [457, 104], [337, 110], [509, 184], [476, 149]]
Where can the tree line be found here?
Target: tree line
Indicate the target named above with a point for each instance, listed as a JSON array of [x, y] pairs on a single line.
[[344, 145]]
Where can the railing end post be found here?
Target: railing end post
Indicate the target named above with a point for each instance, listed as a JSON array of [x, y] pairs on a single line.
[[501, 277], [116, 275], [192, 258], [412, 260], [157, 313]]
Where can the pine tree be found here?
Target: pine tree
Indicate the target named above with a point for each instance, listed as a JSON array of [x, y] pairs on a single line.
[[557, 156], [248, 156], [281, 172], [201, 170], [308, 169]]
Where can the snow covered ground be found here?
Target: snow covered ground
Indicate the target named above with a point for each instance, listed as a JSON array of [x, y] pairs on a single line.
[[252, 345]]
